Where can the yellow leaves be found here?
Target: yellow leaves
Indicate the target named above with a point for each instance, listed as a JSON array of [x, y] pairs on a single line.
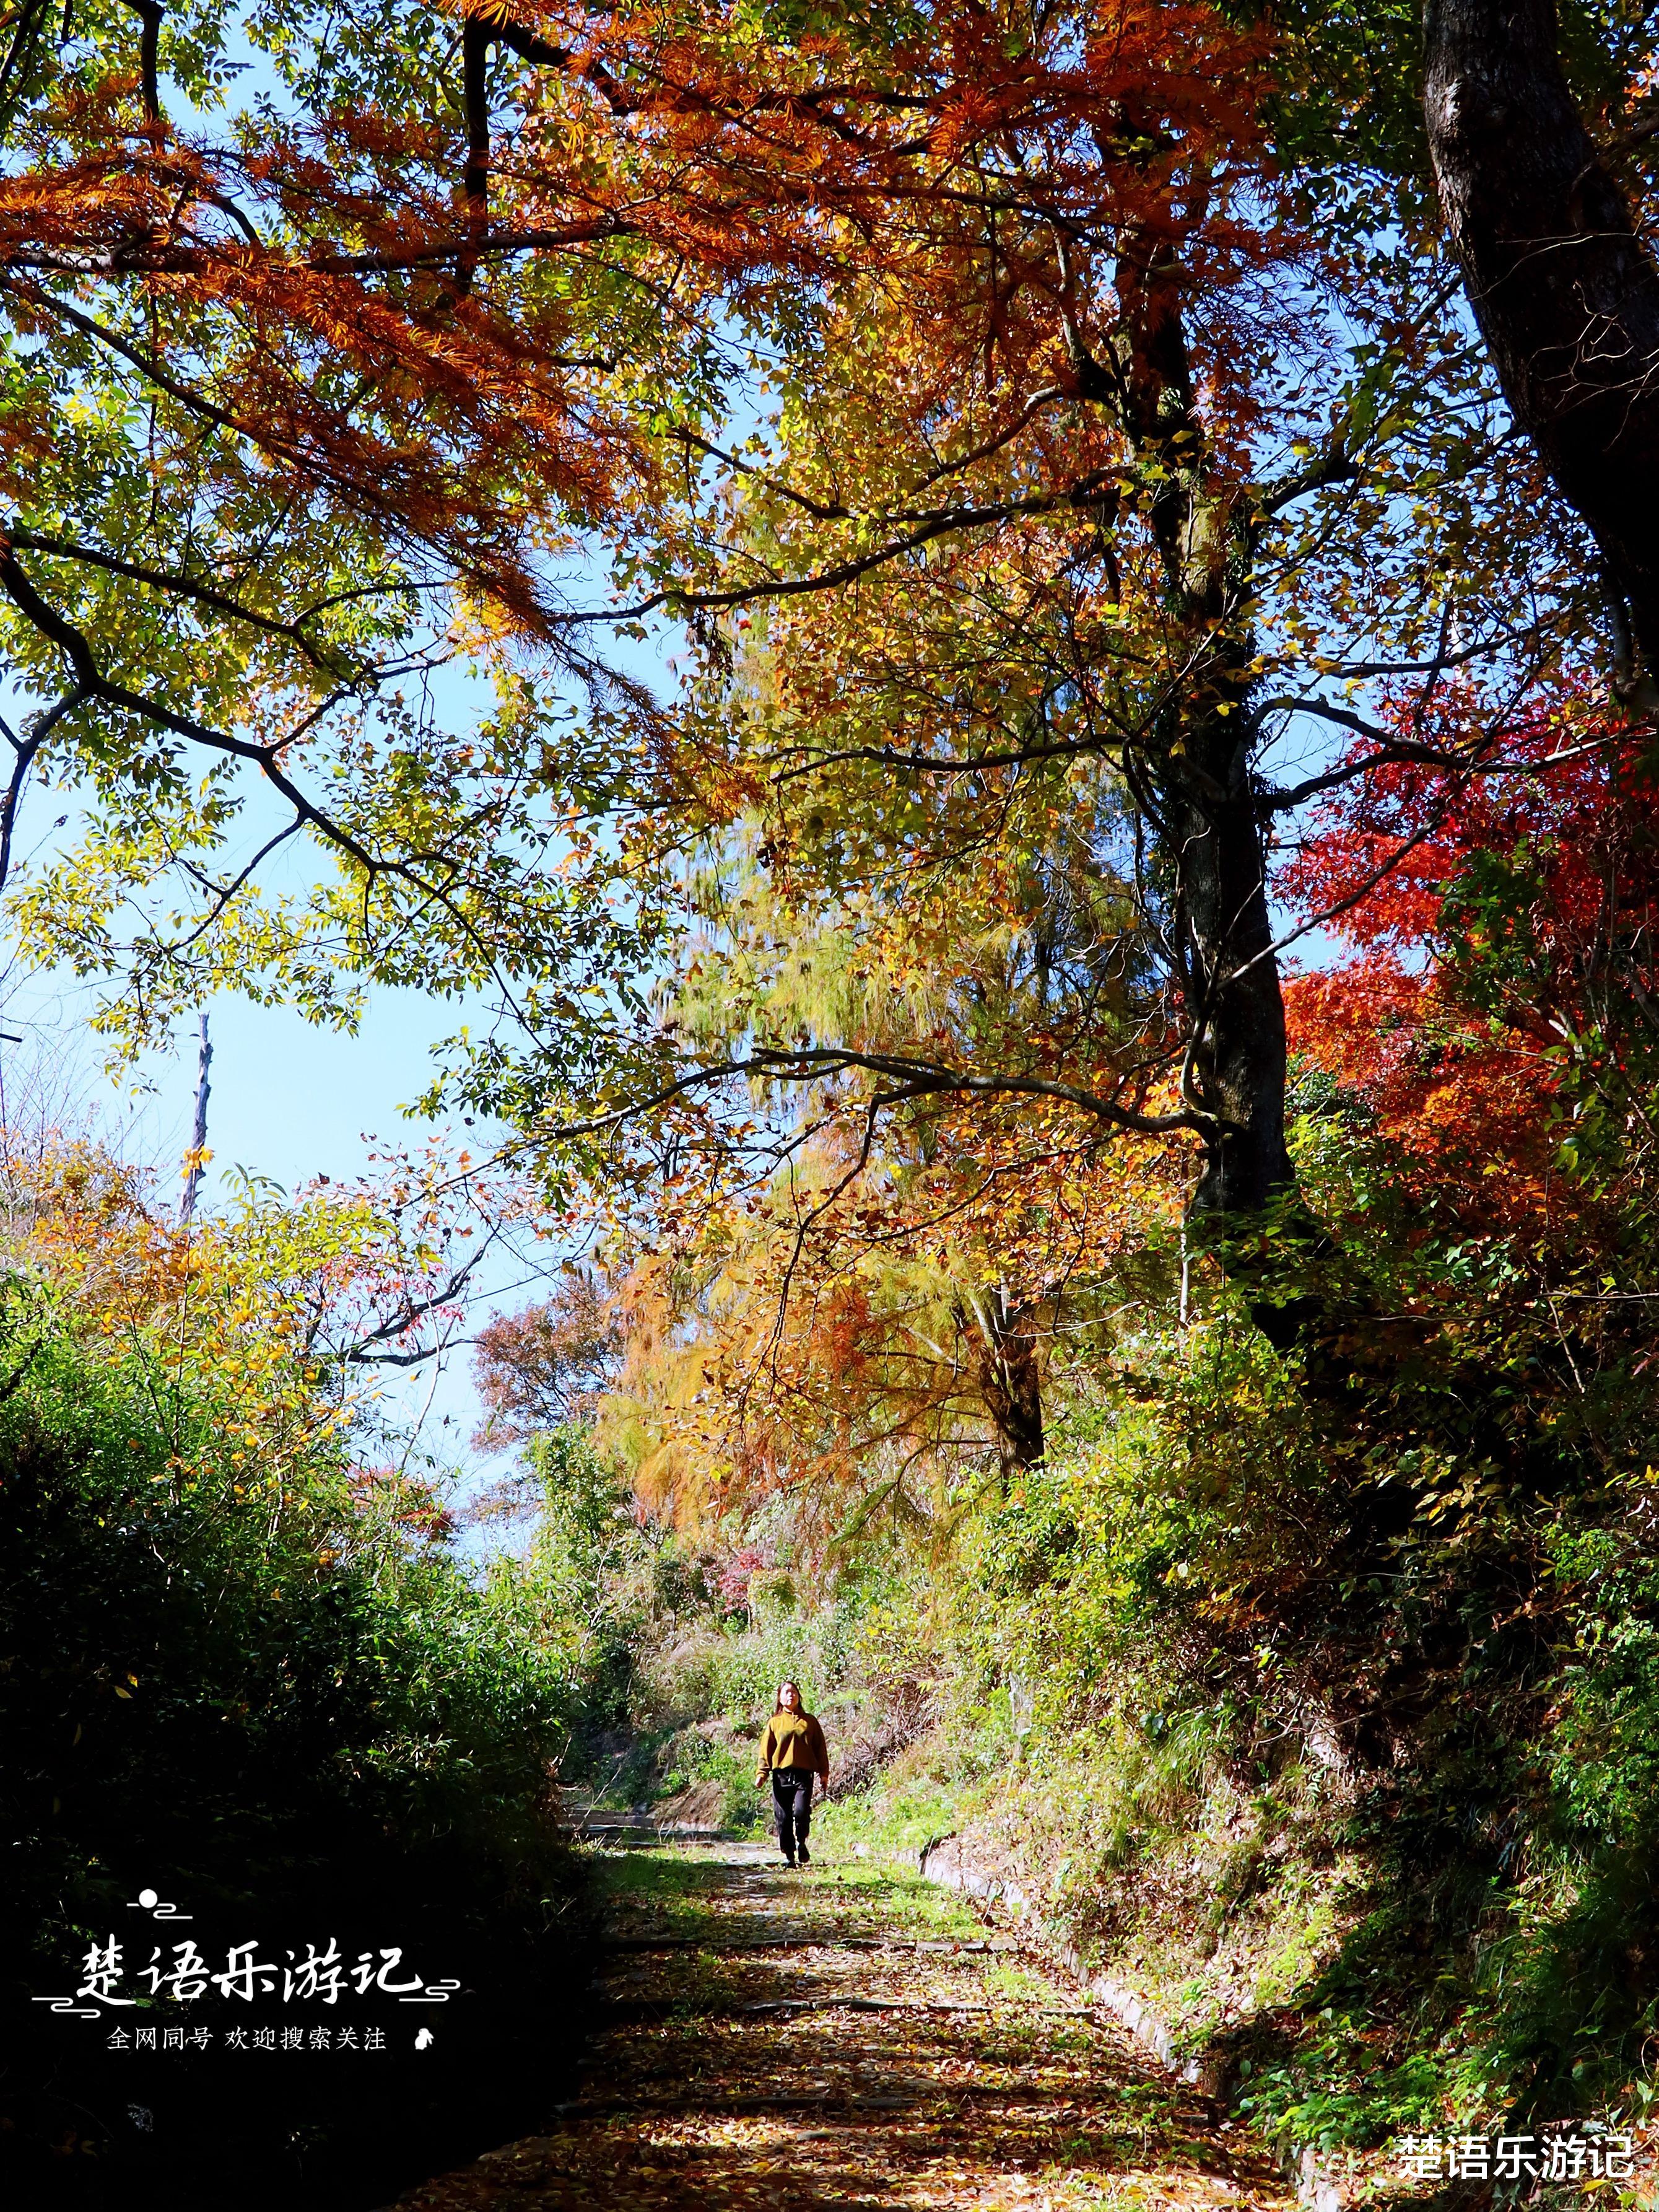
[[482, 625], [796, 1335], [244, 1317]]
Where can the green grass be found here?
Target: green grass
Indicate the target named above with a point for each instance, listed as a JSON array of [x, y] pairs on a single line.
[[896, 1818], [675, 1881]]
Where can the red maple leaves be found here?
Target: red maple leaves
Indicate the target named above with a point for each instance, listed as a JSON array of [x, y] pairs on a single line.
[[1502, 916]]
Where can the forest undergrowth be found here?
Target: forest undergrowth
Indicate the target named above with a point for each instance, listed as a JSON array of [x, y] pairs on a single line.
[[243, 1671], [1337, 1753]]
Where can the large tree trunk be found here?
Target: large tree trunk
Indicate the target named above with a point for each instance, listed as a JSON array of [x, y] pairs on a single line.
[[1001, 1347], [1566, 296], [1232, 983], [1194, 778]]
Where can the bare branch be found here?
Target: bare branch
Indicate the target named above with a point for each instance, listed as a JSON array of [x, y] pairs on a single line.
[[943, 524], [920, 1079], [409, 1315], [149, 13], [24, 748]]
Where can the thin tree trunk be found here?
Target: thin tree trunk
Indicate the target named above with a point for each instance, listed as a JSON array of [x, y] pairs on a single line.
[[1566, 295], [199, 1122]]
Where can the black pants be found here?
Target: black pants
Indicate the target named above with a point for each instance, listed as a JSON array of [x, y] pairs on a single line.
[[791, 1801]]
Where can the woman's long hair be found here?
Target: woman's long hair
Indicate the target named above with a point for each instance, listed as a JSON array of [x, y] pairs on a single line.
[[789, 1683]]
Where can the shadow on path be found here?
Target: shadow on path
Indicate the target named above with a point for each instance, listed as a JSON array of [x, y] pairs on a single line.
[[846, 2038]]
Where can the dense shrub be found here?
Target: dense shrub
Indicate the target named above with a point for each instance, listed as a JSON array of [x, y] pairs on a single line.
[[264, 1692]]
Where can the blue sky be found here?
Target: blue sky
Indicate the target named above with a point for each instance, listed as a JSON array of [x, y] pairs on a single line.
[[287, 1100]]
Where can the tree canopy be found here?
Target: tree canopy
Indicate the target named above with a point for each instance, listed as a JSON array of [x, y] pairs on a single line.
[[1002, 657], [1097, 477]]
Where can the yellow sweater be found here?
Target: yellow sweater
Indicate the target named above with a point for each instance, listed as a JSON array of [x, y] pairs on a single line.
[[794, 1740]]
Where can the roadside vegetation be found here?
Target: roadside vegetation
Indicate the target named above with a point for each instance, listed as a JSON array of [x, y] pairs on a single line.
[[242, 1668], [1321, 1717], [998, 666]]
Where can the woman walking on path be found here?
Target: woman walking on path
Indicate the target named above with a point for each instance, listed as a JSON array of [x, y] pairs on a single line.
[[792, 1751]]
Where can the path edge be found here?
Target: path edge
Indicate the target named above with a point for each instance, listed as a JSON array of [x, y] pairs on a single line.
[[943, 1861]]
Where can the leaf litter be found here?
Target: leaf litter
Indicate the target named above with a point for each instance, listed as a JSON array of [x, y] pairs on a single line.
[[844, 2039]]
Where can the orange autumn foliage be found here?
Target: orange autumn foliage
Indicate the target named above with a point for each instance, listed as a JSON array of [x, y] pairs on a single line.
[[857, 1339], [426, 347], [315, 296], [1448, 1096]]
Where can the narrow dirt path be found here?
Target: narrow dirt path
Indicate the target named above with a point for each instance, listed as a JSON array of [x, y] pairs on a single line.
[[846, 2038]]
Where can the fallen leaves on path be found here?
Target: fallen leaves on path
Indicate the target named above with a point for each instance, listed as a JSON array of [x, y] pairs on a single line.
[[841, 2041]]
